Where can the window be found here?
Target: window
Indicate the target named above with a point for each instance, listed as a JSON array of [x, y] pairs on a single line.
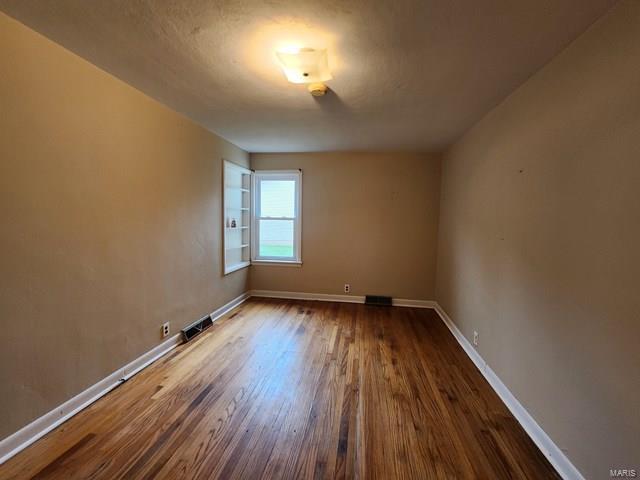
[[276, 221]]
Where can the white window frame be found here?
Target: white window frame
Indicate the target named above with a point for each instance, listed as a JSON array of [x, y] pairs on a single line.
[[296, 176]]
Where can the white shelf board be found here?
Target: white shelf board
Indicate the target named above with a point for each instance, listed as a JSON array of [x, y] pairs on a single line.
[[244, 245], [236, 266]]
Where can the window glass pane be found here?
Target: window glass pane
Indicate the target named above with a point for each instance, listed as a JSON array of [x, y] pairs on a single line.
[[277, 198], [276, 238]]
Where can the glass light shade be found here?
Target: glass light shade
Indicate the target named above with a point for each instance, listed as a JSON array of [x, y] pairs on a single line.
[[306, 65]]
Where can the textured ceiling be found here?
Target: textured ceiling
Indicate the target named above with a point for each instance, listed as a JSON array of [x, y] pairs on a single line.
[[408, 74]]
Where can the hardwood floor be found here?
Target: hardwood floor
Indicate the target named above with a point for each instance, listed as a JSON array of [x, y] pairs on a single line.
[[297, 389]]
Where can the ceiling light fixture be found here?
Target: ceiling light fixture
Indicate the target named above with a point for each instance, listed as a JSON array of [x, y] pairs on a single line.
[[306, 65]]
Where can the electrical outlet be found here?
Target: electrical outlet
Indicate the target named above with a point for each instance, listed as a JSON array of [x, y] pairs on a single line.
[[347, 288], [475, 338], [165, 329]]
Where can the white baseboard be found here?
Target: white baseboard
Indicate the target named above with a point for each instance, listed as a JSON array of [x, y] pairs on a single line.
[[24, 437], [403, 302], [554, 454], [326, 297], [323, 297], [43, 425]]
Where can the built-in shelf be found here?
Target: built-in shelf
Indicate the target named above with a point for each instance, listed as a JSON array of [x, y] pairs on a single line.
[[233, 187], [236, 240]]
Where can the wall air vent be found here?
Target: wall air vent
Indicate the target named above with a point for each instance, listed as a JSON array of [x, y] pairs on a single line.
[[196, 328], [378, 300]]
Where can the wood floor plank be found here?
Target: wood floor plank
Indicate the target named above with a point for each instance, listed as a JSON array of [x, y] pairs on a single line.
[[296, 390]]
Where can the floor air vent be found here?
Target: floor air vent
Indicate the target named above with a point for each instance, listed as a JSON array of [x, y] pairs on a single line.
[[378, 300], [196, 328]]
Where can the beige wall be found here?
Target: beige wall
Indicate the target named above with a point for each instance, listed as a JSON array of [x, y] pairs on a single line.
[[110, 218], [367, 219], [539, 244]]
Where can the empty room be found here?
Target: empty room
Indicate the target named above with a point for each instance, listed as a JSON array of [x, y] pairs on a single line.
[[278, 239]]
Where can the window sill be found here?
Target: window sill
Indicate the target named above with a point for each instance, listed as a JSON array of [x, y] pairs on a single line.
[[277, 263]]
